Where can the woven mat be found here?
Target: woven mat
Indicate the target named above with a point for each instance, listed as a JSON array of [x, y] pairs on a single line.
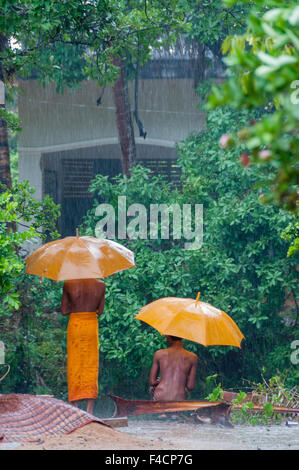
[[30, 418]]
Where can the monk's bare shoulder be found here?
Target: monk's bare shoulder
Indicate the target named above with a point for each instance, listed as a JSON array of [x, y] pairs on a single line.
[[160, 353], [192, 356], [101, 286], [67, 285]]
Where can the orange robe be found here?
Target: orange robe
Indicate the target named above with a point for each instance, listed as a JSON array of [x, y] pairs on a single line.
[[82, 356]]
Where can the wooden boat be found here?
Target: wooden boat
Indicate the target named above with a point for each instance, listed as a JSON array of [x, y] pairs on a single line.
[[124, 407], [214, 411], [204, 411]]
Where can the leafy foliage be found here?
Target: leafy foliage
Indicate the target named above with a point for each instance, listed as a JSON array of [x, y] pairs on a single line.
[[242, 264], [67, 41], [210, 22], [291, 233], [33, 341], [18, 206], [263, 67]]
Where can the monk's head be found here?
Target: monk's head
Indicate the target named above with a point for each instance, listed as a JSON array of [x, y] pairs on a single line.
[[172, 339]]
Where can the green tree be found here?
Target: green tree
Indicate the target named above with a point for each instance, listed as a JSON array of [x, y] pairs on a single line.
[[263, 67], [242, 263], [70, 41], [26, 327], [135, 28], [208, 24], [18, 206]]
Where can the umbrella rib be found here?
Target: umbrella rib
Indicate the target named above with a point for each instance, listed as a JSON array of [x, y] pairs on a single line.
[[44, 254], [91, 254], [85, 245], [64, 255]]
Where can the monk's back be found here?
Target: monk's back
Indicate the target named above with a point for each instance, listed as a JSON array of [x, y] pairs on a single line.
[[84, 294], [175, 365]]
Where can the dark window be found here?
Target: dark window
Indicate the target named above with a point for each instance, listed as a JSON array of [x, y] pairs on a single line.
[[50, 184], [167, 168], [77, 174], [68, 185]]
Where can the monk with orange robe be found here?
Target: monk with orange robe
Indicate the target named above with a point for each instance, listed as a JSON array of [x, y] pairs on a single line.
[[83, 300]]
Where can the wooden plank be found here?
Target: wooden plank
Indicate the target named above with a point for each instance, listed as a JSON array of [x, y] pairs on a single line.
[[116, 422]]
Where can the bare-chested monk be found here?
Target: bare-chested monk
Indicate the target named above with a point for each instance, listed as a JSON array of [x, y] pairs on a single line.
[[177, 369], [83, 300]]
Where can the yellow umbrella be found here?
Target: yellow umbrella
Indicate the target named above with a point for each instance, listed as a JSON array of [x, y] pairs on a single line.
[[79, 258], [193, 320]]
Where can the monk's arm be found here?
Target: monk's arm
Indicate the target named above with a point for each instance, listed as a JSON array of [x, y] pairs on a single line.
[[192, 375], [153, 377], [65, 304], [100, 308]]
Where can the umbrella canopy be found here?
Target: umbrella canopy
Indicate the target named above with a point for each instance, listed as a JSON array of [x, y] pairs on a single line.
[[79, 258], [193, 320]]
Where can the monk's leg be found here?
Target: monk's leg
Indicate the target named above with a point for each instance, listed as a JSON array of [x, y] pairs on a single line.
[[90, 405], [75, 403]]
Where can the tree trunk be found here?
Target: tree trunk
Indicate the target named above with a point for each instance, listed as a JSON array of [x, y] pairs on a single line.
[[5, 174], [124, 119]]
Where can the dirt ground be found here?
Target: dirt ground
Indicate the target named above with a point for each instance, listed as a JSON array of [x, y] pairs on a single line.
[[94, 436], [169, 435]]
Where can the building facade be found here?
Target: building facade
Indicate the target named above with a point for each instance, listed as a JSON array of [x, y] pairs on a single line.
[[68, 138]]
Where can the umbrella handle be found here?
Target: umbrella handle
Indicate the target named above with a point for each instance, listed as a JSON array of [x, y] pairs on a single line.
[[198, 295]]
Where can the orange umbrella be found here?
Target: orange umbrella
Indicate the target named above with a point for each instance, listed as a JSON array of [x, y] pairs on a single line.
[[79, 258], [193, 320]]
